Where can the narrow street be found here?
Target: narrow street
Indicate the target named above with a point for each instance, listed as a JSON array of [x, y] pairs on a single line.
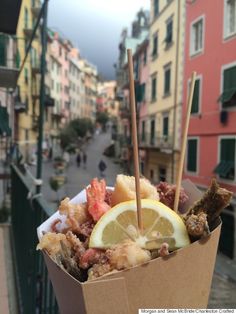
[[79, 177], [223, 290]]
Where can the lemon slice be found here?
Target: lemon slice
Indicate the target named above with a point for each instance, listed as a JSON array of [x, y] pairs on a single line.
[[160, 224]]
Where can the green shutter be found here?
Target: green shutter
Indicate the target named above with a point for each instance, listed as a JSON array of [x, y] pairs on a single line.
[[230, 79], [192, 155], [2, 50], [165, 126], [156, 7], [153, 89], [195, 103], [167, 82], [227, 157]]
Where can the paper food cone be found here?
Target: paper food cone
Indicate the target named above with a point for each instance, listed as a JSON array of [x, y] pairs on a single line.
[[180, 280]]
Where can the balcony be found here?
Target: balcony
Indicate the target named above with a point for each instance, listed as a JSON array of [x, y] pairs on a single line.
[[36, 9], [9, 61], [49, 101], [28, 31], [163, 143], [35, 66], [125, 140]]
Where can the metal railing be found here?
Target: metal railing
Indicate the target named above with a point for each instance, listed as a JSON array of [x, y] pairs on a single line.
[[28, 212], [156, 141]]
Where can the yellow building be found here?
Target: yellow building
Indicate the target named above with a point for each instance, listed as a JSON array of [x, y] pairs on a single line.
[[29, 80], [162, 138]]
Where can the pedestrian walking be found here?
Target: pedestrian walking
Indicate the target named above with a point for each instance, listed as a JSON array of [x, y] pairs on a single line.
[[102, 167], [78, 159], [84, 159]]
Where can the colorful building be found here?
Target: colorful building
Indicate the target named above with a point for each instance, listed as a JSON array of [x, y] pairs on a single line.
[[75, 82], [163, 127], [139, 34], [211, 147], [27, 94]]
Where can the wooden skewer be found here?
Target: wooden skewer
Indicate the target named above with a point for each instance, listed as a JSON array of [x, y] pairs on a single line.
[[183, 146], [134, 138]]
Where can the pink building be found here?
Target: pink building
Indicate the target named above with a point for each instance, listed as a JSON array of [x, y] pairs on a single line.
[[210, 50], [60, 50]]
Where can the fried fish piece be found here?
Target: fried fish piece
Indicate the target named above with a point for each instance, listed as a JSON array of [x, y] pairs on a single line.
[[200, 217]]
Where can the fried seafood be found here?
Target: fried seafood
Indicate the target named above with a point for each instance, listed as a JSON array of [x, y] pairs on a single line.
[[121, 256], [79, 212], [125, 190], [204, 212], [51, 242], [197, 225], [167, 194], [164, 250], [96, 193]]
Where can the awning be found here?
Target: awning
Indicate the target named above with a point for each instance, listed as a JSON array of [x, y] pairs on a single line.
[[4, 122], [225, 168], [9, 15], [227, 95]]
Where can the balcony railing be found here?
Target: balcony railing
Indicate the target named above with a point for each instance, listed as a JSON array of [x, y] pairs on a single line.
[[9, 61], [35, 66], [125, 140], [156, 141], [34, 288]]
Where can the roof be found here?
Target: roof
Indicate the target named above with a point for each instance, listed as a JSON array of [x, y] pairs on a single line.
[[9, 15]]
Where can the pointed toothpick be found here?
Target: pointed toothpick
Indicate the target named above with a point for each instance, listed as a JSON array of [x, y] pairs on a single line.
[[183, 146], [134, 138]]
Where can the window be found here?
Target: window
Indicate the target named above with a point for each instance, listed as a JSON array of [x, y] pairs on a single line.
[[26, 75], [145, 57], [143, 90], [228, 97], [169, 32], [226, 167], [165, 130], [154, 46], [162, 174], [152, 135], [196, 97], [192, 155], [156, 7], [143, 131], [26, 18], [196, 41], [230, 18], [167, 77], [154, 81]]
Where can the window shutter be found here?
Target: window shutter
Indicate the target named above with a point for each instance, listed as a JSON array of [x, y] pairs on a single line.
[[230, 79], [2, 50], [227, 151], [192, 155], [153, 89], [165, 126], [195, 103], [167, 82]]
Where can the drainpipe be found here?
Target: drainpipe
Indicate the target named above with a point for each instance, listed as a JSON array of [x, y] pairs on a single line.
[[42, 94], [176, 90]]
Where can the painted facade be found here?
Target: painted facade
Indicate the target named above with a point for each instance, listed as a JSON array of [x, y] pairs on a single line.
[[29, 79], [211, 148], [165, 88]]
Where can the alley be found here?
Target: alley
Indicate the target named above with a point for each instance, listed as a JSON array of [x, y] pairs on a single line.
[[78, 177]]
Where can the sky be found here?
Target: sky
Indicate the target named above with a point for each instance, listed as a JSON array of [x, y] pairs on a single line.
[[94, 26]]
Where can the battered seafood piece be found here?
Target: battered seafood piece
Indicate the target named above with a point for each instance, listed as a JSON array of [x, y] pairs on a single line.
[[96, 194], [79, 212], [51, 242], [204, 212], [167, 195], [125, 190], [121, 256]]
